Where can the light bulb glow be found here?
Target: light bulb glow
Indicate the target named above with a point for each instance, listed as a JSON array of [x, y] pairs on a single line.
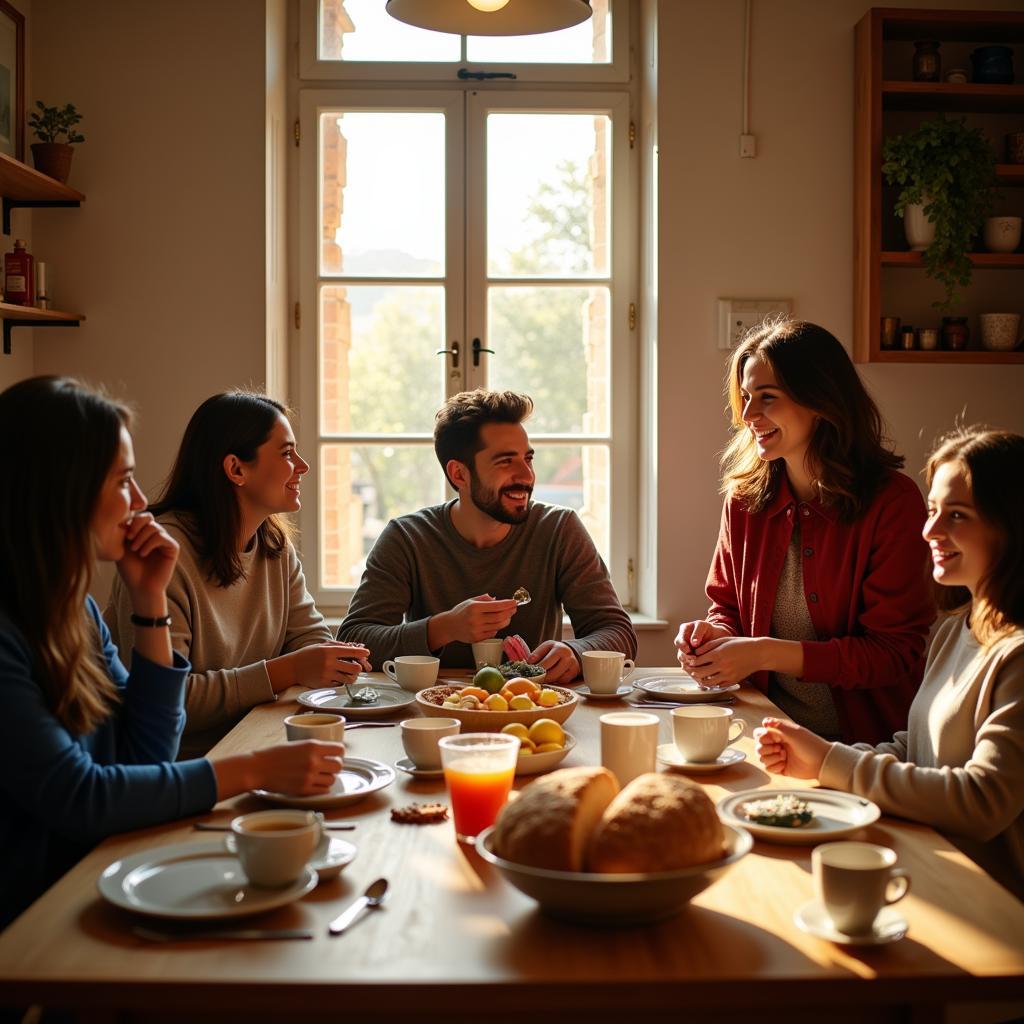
[[487, 6]]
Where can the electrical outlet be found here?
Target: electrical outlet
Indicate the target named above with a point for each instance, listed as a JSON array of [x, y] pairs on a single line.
[[737, 316]]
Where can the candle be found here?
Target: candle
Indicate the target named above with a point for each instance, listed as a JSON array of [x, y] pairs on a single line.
[[42, 287]]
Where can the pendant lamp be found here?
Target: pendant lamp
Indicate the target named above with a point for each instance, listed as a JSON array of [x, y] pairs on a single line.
[[490, 17]]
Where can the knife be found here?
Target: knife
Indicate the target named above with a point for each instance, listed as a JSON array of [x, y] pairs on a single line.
[[251, 934]]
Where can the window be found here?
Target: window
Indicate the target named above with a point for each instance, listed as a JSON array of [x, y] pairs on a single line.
[[454, 238]]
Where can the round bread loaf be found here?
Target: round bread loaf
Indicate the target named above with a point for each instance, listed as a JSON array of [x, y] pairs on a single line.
[[657, 823], [549, 824]]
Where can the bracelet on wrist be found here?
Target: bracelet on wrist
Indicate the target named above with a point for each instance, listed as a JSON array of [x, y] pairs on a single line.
[[143, 620]]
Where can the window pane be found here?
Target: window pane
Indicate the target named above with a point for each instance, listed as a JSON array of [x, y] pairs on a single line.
[[382, 194], [378, 368], [553, 343], [361, 30], [577, 476], [361, 488], [590, 42], [547, 194]]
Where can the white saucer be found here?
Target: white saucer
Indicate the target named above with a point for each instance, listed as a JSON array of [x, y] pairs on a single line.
[[682, 689], [889, 926], [588, 694], [327, 863], [405, 764], [358, 778], [669, 756], [193, 881]]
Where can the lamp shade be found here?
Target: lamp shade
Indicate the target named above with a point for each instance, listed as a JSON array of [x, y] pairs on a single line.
[[516, 18]]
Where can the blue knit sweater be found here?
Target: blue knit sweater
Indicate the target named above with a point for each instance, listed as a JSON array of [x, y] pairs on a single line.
[[61, 794]]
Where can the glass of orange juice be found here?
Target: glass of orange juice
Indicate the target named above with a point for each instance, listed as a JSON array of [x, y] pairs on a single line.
[[479, 768]]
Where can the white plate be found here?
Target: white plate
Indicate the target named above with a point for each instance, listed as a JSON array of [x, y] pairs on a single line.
[[192, 881], [405, 764], [329, 862], [617, 694], [889, 926], [669, 756], [357, 779], [333, 698], [682, 689], [835, 815]]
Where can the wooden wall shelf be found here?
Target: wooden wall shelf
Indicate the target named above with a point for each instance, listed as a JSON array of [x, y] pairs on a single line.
[[28, 316], [23, 186], [981, 260]]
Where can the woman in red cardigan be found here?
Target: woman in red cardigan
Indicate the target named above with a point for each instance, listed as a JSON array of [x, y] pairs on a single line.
[[819, 584]]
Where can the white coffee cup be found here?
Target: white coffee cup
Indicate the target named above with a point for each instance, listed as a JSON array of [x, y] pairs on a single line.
[[853, 881], [487, 652], [413, 672], [315, 725], [604, 671], [274, 846], [1000, 332], [420, 736], [629, 740], [702, 732]]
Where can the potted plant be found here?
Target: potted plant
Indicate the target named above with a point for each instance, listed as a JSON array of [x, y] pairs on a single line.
[[51, 156], [950, 170]]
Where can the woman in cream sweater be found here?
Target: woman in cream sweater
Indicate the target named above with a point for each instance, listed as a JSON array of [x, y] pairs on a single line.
[[240, 610], [959, 766]]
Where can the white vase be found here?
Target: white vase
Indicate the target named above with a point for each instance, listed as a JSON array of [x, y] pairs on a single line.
[[920, 231]]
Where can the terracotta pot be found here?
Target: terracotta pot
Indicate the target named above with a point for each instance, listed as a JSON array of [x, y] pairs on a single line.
[[53, 159]]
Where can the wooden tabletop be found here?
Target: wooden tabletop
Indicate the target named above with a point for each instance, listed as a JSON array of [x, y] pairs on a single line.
[[456, 942]]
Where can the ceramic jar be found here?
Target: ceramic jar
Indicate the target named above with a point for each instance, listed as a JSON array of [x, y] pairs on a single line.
[[920, 231], [890, 331], [992, 65], [1015, 148], [1002, 234], [955, 333], [1000, 332]]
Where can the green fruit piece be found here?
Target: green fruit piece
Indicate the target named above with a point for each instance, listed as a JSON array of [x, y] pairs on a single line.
[[489, 679]]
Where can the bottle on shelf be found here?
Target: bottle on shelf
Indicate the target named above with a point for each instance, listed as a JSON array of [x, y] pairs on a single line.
[[19, 276]]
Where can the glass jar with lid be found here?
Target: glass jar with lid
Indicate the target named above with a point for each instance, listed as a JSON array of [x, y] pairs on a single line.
[[927, 62]]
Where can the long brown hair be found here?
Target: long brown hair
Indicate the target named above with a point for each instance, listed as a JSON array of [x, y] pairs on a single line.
[[993, 464], [199, 491], [848, 451], [63, 439]]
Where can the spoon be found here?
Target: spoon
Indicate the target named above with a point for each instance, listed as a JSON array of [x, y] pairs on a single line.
[[366, 695], [522, 596], [370, 900]]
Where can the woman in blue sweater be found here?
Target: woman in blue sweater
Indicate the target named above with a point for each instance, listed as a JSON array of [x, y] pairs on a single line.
[[86, 748]]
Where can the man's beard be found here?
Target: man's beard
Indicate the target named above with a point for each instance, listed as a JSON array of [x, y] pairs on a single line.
[[489, 501]]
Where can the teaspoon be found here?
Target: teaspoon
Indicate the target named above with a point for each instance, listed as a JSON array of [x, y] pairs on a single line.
[[370, 900]]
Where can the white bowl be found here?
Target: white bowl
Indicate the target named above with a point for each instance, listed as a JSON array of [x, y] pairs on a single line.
[[590, 898], [430, 702], [534, 764]]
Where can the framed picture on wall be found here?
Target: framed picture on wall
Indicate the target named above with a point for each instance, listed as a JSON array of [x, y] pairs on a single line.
[[12, 81]]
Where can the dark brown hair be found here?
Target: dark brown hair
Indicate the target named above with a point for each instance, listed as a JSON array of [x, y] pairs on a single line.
[[63, 440], [199, 491], [847, 452], [458, 422], [993, 464]]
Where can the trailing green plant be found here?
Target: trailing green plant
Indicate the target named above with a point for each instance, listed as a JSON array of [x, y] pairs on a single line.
[[951, 169], [56, 121]]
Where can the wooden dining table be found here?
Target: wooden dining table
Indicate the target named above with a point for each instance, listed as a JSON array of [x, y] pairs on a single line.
[[455, 942]]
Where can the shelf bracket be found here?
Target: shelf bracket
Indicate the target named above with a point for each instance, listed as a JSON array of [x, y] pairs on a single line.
[[12, 204], [9, 325]]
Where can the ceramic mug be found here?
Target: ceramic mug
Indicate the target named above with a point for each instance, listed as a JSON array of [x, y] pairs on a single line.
[[274, 846], [629, 742], [853, 881], [702, 732], [413, 672], [315, 725], [1000, 332], [420, 736], [1002, 234], [487, 652], [605, 671]]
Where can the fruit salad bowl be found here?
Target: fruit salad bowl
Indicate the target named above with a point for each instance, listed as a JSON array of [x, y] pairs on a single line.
[[534, 764], [431, 703]]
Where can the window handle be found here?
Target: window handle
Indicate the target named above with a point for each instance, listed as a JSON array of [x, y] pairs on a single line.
[[477, 349], [453, 352]]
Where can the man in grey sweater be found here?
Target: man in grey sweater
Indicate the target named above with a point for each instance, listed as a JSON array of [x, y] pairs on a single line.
[[442, 578]]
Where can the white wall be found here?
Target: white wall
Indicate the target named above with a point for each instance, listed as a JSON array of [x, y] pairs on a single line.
[[780, 225]]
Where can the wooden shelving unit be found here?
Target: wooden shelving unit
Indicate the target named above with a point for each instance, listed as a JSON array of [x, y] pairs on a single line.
[[23, 186], [884, 48]]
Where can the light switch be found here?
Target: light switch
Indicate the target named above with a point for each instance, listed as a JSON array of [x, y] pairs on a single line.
[[737, 316]]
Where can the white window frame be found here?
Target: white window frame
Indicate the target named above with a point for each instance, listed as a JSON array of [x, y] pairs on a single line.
[[312, 68]]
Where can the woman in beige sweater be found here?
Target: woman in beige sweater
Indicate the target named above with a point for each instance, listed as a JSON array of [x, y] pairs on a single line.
[[240, 610], [959, 766]]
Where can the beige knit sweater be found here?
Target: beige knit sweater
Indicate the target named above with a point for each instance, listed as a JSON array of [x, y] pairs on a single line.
[[227, 633], [960, 765]]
